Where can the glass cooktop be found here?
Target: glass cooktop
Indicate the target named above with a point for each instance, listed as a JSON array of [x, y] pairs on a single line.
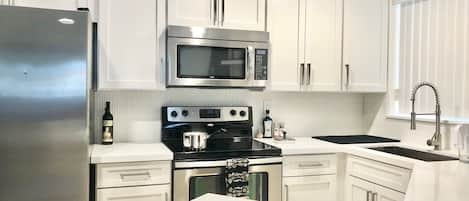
[[355, 139], [221, 149]]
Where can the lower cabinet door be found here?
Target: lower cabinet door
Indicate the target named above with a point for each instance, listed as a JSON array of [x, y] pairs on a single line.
[[386, 194], [358, 189], [139, 193], [319, 188]]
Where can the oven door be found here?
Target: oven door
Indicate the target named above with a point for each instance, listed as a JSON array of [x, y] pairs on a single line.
[[192, 182], [212, 63]]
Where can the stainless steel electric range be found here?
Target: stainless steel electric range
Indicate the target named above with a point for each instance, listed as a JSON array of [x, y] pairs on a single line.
[[200, 171]]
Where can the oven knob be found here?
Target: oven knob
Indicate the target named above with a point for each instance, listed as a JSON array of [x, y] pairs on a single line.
[[174, 114], [233, 112], [185, 113], [242, 113]]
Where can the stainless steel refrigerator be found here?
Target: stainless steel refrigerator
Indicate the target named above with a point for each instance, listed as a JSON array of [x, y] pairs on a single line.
[[44, 90]]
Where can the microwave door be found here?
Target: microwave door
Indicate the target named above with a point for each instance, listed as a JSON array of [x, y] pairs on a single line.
[[208, 63]]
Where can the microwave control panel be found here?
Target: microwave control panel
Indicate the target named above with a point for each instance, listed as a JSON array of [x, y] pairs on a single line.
[[260, 72]]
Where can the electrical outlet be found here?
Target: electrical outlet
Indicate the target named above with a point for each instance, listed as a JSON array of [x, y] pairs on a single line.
[[267, 105]]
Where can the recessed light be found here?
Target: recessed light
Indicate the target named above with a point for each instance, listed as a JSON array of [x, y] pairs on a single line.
[[66, 21]]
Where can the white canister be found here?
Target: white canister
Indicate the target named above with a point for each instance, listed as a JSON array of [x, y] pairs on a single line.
[[463, 142]]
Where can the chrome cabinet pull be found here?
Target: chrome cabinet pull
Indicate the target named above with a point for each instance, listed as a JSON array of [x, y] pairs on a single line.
[[369, 195], [309, 165], [286, 192], [215, 12], [166, 196], [136, 176], [347, 73], [308, 80], [222, 12], [375, 197], [302, 73]]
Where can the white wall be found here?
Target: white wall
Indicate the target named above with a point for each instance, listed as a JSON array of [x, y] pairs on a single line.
[[375, 119], [137, 113]]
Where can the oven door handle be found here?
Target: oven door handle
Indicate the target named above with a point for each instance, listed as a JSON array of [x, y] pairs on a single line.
[[222, 163]]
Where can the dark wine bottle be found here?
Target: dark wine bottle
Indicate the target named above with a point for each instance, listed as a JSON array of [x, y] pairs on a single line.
[[108, 124], [267, 125]]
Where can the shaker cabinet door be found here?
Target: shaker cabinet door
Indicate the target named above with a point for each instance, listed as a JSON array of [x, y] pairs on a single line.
[[282, 24], [131, 44], [386, 194], [323, 44], [243, 14], [139, 193], [365, 48], [200, 13], [358, 189], [321, 188]]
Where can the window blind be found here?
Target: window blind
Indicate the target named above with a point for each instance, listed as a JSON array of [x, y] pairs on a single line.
[[430, 42]]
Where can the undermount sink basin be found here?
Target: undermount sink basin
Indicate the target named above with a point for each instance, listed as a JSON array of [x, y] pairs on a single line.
[[410, 153]]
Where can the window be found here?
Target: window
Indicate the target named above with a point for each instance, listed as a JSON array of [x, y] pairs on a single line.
[[429, 41]]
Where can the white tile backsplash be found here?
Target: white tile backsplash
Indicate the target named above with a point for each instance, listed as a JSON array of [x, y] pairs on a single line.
[[137, 113]]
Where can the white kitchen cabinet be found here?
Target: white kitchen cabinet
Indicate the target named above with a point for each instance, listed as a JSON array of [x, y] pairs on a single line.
[[358, 189], [131, 43], [189, 13], [322, 41], [386, 194], [306, 38], [50, 4], [229, 14], [138, 193], [365, 48], [282, 24], [391, 176], [361, 190], [243, 14], [305, 188]]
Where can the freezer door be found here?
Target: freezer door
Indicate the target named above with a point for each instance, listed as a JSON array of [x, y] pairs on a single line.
[[43, 105]]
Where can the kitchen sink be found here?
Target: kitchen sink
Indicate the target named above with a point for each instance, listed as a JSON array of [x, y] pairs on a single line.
[[410, 153]]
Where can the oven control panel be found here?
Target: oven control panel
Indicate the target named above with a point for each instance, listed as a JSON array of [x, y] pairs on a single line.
[[207, 114]]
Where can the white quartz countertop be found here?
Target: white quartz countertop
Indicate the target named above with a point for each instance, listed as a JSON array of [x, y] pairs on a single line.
[[129, 152], [430, 181], [215, 197]]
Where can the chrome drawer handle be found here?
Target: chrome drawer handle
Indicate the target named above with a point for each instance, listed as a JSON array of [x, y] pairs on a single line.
[[136, 176], [310, 165]]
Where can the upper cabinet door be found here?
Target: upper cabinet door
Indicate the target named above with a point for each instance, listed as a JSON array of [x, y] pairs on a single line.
[[365, 48], [358, 190], [200, 13], [131, 44], [243, 14], [323, 44], [282, 24], [50, 4]]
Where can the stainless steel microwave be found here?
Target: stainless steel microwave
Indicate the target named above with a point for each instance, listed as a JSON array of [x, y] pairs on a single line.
[[206, 57]]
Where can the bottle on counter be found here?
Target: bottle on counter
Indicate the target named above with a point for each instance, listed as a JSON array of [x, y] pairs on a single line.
[[108, 124], [267, 125]]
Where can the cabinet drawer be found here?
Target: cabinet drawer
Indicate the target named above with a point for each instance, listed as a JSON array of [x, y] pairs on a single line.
[[310, 165], [139, 193], [390, 176], [132, 174]]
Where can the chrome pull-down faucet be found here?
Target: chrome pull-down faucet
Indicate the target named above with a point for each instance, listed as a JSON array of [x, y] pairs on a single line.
[[436, 139]]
